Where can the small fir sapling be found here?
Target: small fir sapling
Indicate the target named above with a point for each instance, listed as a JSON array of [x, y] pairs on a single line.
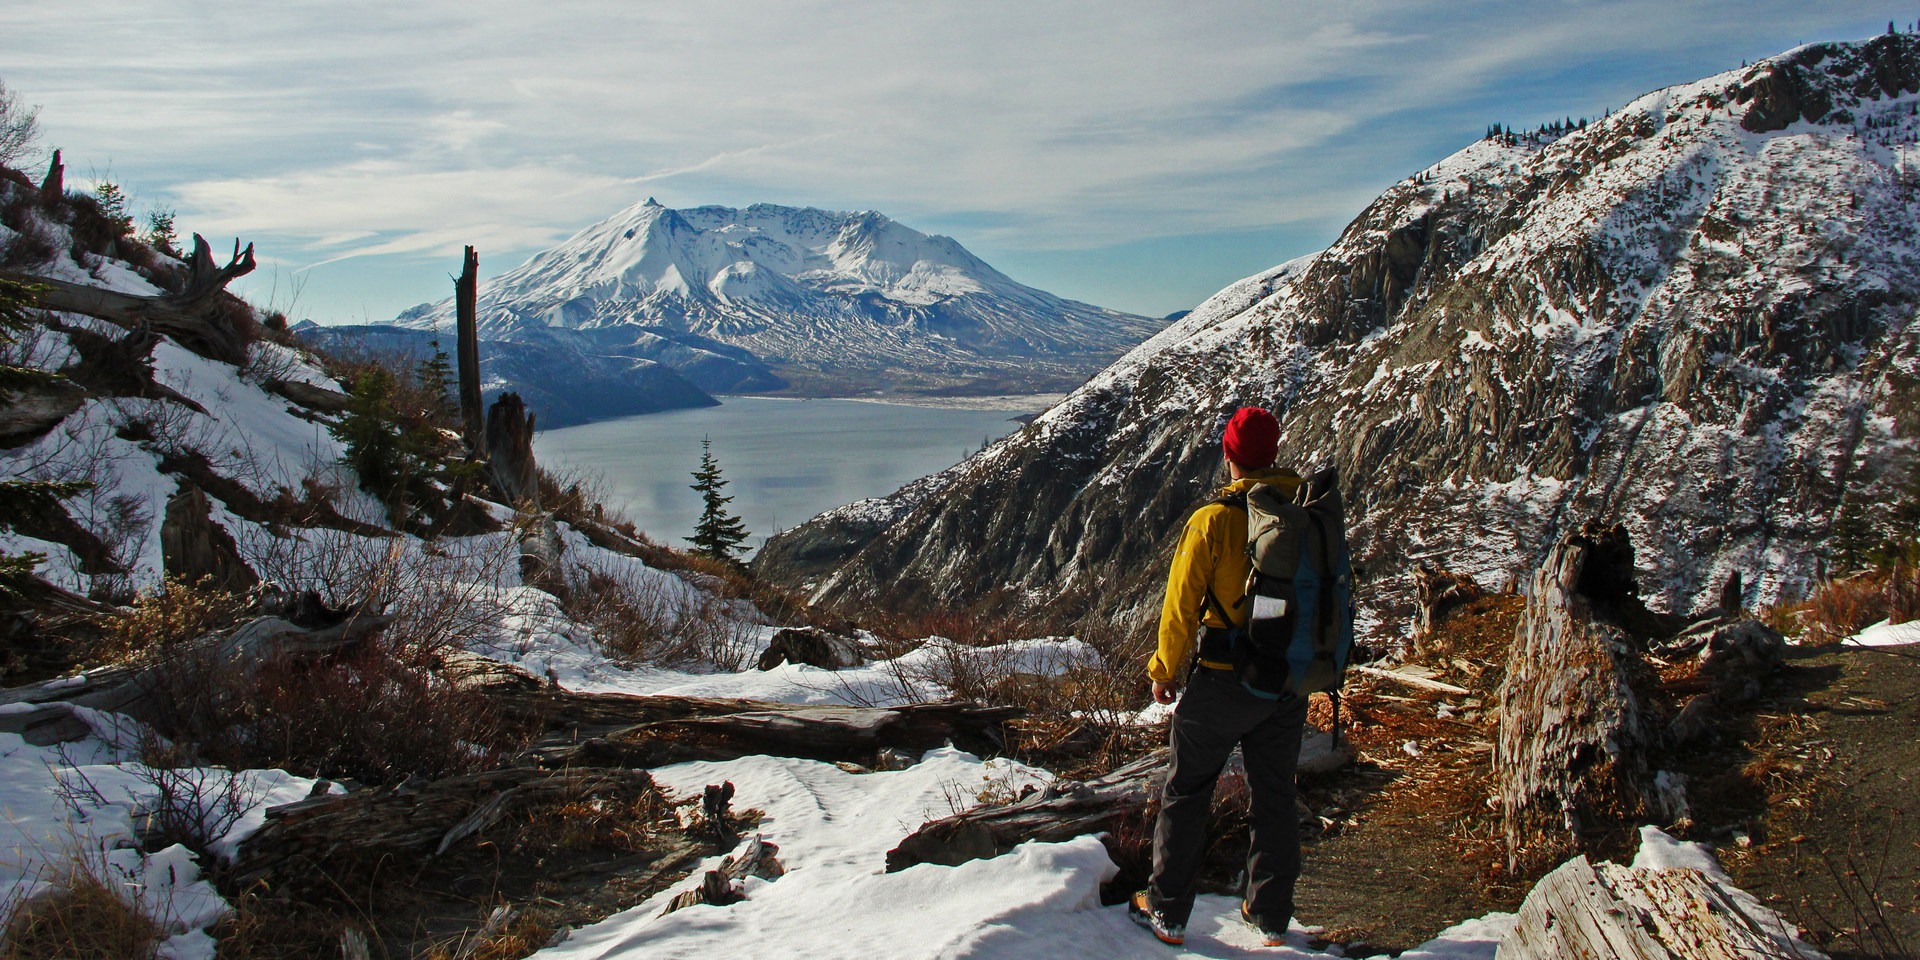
[[718, 533]]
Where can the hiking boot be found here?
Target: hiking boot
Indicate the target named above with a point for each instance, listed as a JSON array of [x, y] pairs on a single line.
[[1145, 915], [1269, 936]]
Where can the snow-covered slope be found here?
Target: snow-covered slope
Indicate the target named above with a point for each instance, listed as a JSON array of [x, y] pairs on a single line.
[[837, 302], [1694, 316]]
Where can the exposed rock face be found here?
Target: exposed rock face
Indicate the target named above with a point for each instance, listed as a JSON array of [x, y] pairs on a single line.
[[1663, 318]]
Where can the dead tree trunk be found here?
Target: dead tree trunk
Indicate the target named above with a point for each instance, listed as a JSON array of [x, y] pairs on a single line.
[[1608, 912], [193, 547], [466, 313], [1571, 759], [54, 187]]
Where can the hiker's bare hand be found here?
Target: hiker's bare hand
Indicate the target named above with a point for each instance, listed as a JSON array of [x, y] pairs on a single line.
[[1164, 691]]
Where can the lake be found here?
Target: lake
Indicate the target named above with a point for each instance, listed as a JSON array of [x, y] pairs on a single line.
[[785, 461]]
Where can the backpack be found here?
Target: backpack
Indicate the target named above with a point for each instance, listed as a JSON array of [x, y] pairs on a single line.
[[1299, 634]]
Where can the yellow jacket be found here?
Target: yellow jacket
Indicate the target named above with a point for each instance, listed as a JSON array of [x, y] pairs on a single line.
[[1212, 551]]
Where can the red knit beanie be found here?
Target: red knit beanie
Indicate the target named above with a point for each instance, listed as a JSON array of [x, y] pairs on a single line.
[[1252, 438]]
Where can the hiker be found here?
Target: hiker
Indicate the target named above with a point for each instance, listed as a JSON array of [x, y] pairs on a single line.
[[1206, 588]]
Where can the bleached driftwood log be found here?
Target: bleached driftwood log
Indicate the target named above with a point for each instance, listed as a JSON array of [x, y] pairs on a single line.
[[1581, 911], [1570, 759], [1068, 809]]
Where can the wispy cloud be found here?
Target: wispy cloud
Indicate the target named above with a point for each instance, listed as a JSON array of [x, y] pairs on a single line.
[[360, 131]]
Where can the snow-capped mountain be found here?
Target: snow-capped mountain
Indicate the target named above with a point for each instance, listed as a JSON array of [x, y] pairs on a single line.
[[1694, 316], [833, 302]]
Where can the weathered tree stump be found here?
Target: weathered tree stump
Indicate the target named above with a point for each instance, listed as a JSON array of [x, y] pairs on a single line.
[[1737, 659], [1608, 912], [1571, 757], [1436, 593], [509, 450], [53, 188], [194, 548]]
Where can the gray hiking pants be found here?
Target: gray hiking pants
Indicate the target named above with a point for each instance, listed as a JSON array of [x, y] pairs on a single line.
[[1215, 714]]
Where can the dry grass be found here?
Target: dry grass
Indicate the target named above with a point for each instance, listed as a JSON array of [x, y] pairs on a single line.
[[645, 616], [1838, 609], [82, 920]]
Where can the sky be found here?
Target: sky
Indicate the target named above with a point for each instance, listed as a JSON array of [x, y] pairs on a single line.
[[1132, 154]]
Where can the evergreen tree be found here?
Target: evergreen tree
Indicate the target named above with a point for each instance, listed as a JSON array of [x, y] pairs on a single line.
[[113, 205], [718, 533], [435, 374], [160, 235]]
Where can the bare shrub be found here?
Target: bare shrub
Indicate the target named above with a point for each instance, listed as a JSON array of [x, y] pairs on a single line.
[[176, 612], [82, 919], [1838, 609], [376, 714], [644, 616]]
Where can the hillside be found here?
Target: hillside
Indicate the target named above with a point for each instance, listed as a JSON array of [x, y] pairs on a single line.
[[294, 667], [1694, 316], [832, 303]]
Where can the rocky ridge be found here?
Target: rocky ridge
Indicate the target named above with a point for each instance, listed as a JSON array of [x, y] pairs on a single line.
[[1693, 316]]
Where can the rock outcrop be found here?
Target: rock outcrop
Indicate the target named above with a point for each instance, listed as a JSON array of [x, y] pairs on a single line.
[[1660, 318]]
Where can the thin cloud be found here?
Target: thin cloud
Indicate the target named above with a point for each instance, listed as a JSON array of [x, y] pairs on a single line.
[[345, 131]]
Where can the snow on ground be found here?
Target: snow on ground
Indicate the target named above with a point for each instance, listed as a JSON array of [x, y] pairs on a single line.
[[833, 829], [79, 803], [1887, 634]]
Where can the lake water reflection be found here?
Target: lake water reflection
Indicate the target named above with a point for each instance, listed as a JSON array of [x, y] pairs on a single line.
[[784, 460]]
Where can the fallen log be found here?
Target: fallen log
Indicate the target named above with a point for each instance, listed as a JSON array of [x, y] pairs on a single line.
[[1583, 911], [812, 732], [1067, 809], [1571, 759], [1412, 680], [323, 838], [43, 713]]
